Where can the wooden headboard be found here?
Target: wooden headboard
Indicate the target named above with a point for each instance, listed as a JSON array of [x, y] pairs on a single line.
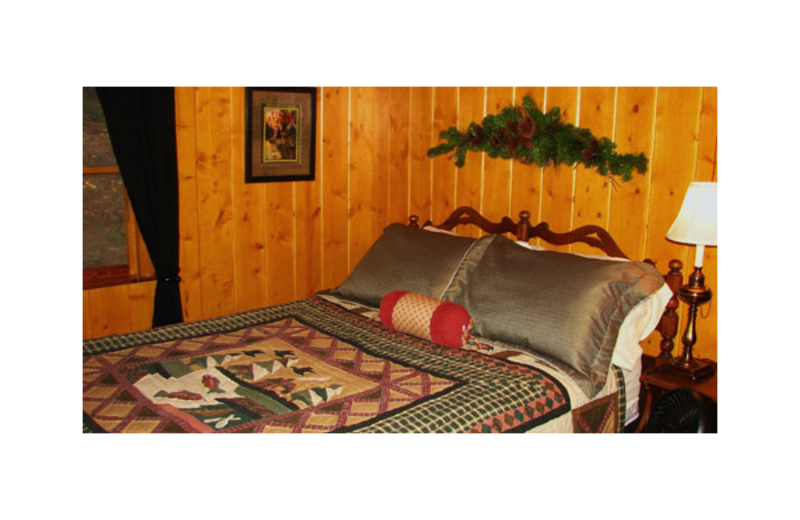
[[594, 236]]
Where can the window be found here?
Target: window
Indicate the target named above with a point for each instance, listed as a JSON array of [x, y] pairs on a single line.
[[103, 221], [113, 250]]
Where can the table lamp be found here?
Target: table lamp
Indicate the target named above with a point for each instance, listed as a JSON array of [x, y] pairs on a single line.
[[697, 225]]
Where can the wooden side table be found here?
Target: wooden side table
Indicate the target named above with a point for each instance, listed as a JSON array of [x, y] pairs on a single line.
[[656, 384]]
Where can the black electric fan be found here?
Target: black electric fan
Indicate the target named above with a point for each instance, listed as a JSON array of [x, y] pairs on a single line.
[[683, 411]]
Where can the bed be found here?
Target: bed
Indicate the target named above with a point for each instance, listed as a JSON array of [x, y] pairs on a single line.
[[551, 344]]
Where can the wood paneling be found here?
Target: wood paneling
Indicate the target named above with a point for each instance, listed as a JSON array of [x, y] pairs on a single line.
[[398, 167], [592, 191], [362, 219], [335, 146], [471, 107], [118, 309], [420, 140], [496, 200], [558, 181], [244, 246], [445, 115], [87, 317], [526, 182], [630, 202]]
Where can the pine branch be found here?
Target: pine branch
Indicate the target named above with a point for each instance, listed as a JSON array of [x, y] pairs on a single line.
[[527, 134]]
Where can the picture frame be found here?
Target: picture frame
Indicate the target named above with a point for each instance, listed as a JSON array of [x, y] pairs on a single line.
[[280, 133]]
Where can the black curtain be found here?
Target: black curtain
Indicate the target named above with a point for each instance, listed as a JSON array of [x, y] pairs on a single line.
[[141, 124]]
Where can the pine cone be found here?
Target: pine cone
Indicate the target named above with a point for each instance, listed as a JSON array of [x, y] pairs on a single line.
[[500, 139], [591, 150], [526, 127]]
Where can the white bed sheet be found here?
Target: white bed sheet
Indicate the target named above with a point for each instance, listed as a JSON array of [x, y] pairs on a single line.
[[632, 387]]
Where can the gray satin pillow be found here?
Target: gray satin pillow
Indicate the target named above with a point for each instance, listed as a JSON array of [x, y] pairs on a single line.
[[564, 306], [408, 259]]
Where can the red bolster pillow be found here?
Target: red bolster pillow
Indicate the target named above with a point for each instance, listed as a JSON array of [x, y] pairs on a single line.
[[444, 323]]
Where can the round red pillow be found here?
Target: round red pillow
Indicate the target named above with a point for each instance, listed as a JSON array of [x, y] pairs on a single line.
[[444, 323]]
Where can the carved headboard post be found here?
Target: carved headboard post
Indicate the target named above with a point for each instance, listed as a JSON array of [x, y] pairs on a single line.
[[668, 326], [524, 226], [413, 221]]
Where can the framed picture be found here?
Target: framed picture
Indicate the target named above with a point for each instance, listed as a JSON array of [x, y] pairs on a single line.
[[280, 133]]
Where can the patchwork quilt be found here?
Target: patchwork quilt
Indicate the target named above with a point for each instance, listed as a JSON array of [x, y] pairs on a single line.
[[314, 366]]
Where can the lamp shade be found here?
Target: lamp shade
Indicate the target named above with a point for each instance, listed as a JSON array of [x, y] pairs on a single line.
[[697, 220]]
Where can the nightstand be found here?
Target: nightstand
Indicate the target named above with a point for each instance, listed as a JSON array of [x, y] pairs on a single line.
[[655, 384]]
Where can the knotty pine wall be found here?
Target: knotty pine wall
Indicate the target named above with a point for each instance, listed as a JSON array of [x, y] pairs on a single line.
[[249, 245]]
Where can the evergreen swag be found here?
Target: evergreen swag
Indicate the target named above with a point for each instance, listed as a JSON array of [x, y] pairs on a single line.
[[530, 136]]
